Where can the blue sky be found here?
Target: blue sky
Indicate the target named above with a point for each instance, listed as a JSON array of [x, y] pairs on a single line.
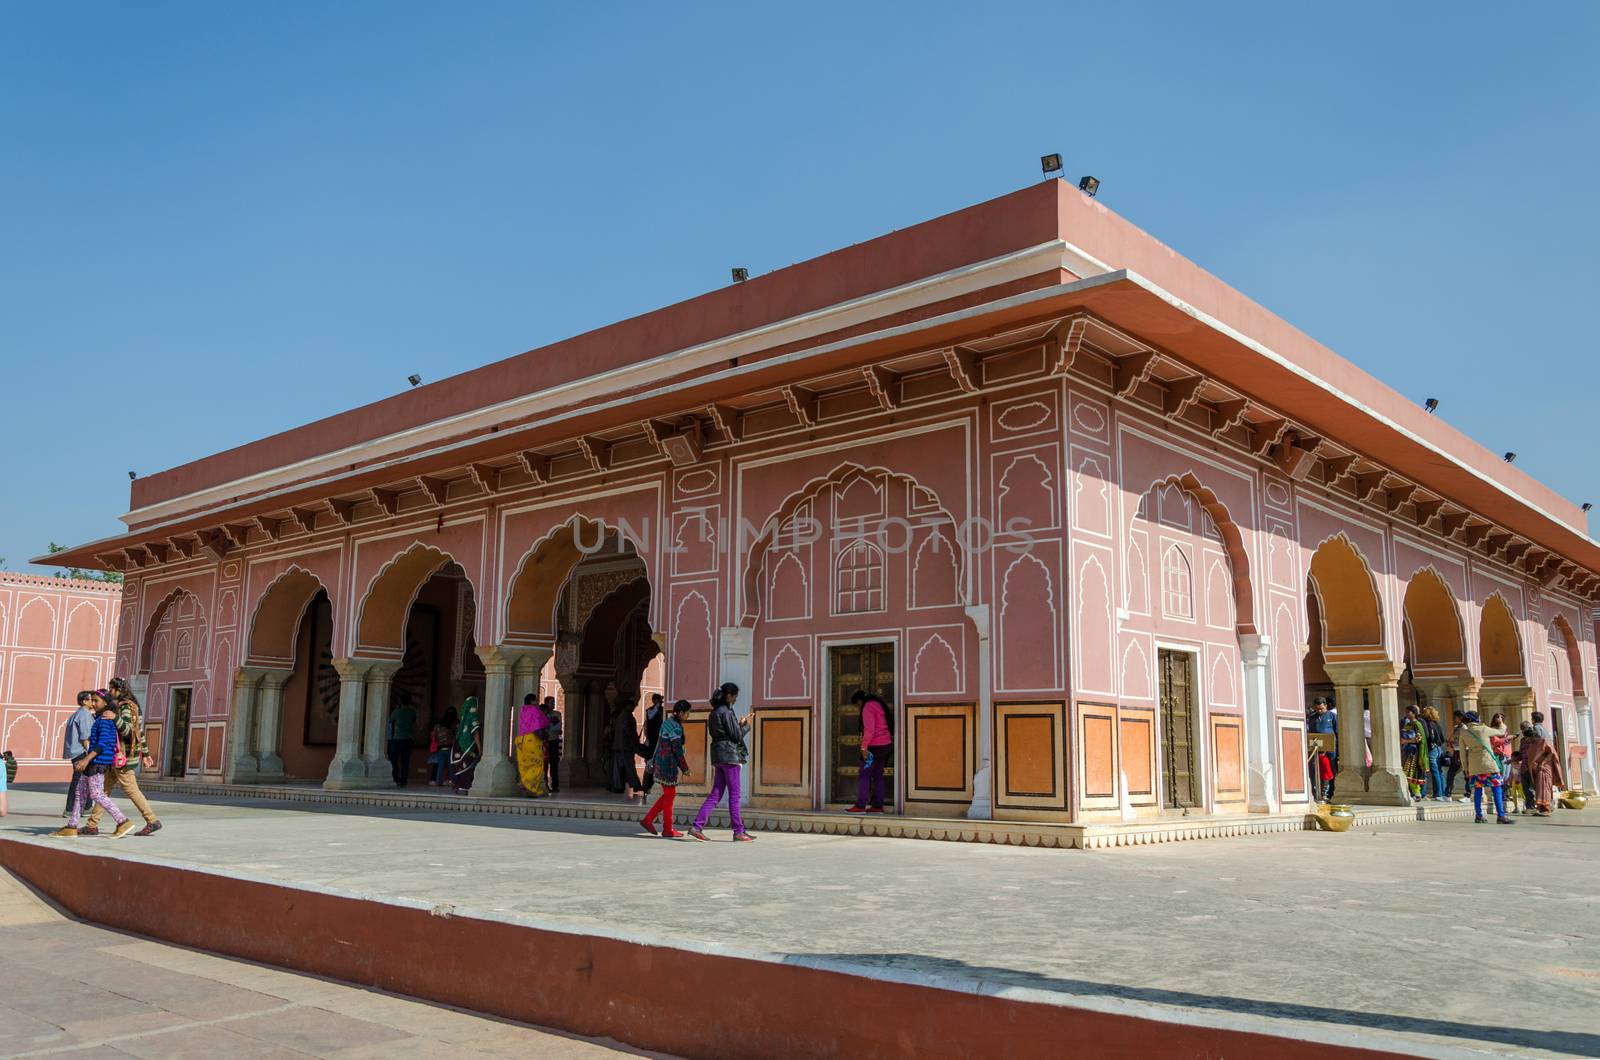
[[219, 221]]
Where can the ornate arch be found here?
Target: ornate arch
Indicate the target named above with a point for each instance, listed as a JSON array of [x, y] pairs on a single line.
[[542, 572], [1348, 602], [840, 477], [1574, 656], [1500, 654], [276, 621], [381, 617], [1436, 633], [147, 641], [1244, 609]]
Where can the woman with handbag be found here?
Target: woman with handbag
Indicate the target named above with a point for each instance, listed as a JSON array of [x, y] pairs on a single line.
[[1485, 770], [104, 749], [728, 754], [134, 751]]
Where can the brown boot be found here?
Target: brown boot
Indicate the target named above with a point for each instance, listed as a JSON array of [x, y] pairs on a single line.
[[122, 829], [64, 832]]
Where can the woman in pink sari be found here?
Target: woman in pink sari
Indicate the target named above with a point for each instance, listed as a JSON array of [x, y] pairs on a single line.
[[1543, 768], [529, 745]]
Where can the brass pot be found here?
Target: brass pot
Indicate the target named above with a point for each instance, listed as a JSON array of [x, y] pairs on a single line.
[[1573, 800], [1336, 817]]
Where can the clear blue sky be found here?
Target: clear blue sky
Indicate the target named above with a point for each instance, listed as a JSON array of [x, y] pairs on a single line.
[[221, 220]]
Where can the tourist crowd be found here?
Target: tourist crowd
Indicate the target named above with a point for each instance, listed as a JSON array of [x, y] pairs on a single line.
[[104, 739], [1520, 771]]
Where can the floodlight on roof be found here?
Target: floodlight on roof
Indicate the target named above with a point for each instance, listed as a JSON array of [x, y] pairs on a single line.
[[1432, 405], [740, 274], [414, 379], [1089, 185], [1051, 164]]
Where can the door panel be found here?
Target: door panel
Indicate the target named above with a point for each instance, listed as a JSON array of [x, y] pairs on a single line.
[[178, 754], [853, 667], [1177, 730]]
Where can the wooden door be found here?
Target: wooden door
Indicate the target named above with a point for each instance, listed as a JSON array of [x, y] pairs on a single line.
[[856, 666], [1177, 729], [178, 725]]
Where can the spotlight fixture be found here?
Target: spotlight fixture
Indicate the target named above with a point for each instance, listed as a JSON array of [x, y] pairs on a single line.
[[1051, 164], [414, 379], [1511, 458], [132, 475], [1587, 506], [1089, 185], [1432, 405], [740, 275]]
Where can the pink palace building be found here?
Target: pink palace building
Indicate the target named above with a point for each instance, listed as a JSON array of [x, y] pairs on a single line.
[[1097, 524]]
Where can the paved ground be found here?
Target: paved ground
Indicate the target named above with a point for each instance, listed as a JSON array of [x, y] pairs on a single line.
[[74, 990], [1451, 937]]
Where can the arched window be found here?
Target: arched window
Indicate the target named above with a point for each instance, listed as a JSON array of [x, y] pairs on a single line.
[[1177, 584], [858, 579]]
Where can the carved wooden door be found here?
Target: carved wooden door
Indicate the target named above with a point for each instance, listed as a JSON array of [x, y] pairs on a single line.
[[857, 666]]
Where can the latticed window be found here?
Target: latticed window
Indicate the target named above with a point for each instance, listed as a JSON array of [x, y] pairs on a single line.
[[1177, 584], [858, 579]]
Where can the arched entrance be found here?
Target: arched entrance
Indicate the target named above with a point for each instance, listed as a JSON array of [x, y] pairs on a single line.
[[1506, 688], [1567, 699], [286, 694], [1435, 645], [1347, 652], [415, 648], [578, 627]]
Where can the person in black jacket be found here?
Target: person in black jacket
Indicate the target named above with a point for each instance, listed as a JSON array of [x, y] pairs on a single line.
[[624, 748], [728, 754], [652, 733]]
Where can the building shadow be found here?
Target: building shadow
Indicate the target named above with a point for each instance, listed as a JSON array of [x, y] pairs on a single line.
[[1573, 1043]]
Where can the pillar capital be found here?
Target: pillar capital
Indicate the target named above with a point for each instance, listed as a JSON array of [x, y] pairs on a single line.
[[495, 657], [1255, 649], [383, 670], [350, 669], [1581, 705], [274, 680], [1363, 673]]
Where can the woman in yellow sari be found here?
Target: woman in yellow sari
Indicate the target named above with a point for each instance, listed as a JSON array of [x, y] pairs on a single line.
[[529, 745]]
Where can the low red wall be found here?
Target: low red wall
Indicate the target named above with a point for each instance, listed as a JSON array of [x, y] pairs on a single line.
[[656, 997]]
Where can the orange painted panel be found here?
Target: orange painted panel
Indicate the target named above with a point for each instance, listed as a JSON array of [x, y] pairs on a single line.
[[214, 749], [1294, 758], [941, 763], [694, 746], [1099, 756], [782, 752], [1228, 739], [197, 748], [1031, 754], [1136, 751]]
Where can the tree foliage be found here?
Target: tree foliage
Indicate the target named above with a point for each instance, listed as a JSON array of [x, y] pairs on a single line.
[[111, 576]]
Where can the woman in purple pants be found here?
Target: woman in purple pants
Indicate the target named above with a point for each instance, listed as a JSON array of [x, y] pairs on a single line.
[[727, 756]]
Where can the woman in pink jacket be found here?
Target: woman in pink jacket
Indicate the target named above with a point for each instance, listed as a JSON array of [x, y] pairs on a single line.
[[877, 752]]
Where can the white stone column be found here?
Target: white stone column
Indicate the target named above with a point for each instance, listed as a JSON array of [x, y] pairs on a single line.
[[1386, 784], [348, 770], [1350, 783], [982, 807], [242, 763], [1260, 725], [734, 664], [496, 776], [269, 723], [375, 733], [1586, 737]]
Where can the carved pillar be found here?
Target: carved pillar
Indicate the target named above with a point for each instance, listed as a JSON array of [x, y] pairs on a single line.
[[496, 776], [1386, 784], [735, 665], [269, 724], [1350, 783], [375, 737], [242, 763], [1260, 725], [348, 770], [982, 807], [1586, 738]]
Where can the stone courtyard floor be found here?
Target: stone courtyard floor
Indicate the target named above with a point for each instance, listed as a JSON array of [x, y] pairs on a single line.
[[1438, 938]]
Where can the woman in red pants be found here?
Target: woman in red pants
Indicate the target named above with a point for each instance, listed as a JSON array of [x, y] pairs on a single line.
[[668, 764]]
